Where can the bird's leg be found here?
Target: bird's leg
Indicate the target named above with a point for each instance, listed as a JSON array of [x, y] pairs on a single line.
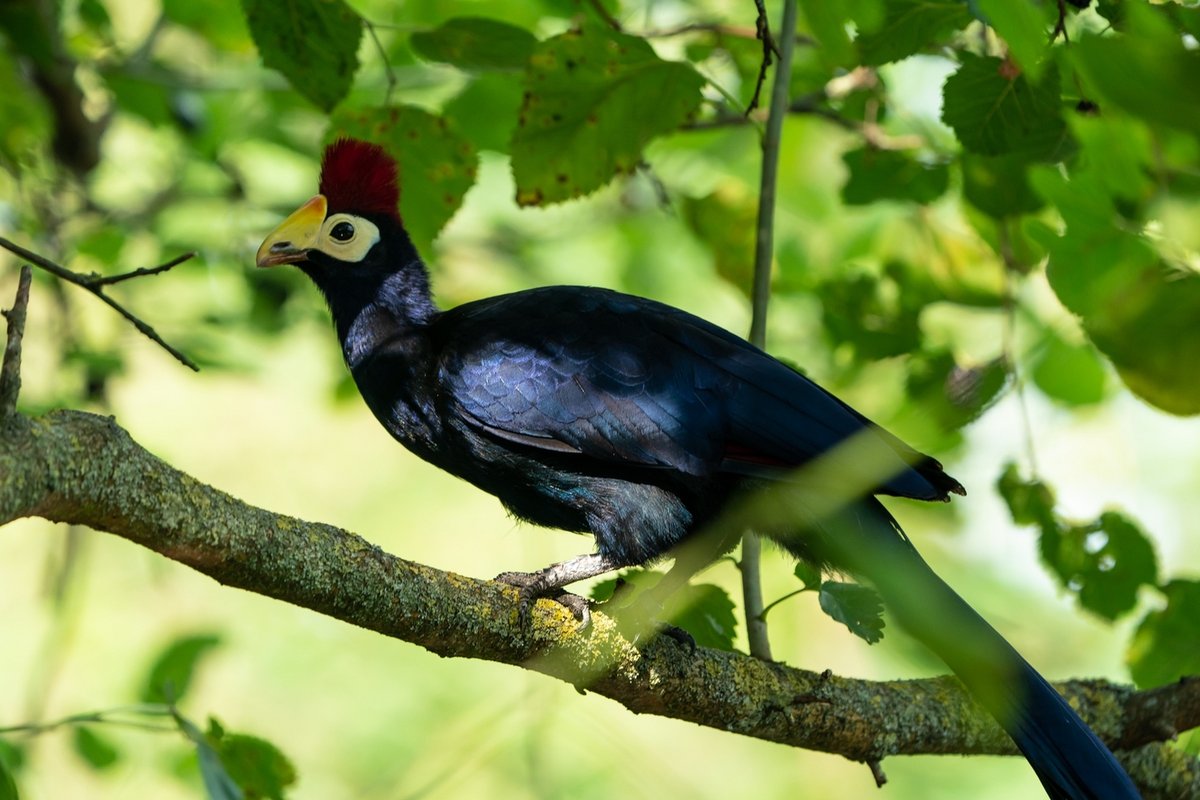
[[548, 581]]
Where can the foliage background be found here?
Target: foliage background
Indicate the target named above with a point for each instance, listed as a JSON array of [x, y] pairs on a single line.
[[911, 262]]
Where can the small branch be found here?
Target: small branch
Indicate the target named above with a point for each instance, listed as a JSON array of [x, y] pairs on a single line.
[[95, 284], [762, 27], [10, 372], [808, 104], [719, 29], [387, 64]]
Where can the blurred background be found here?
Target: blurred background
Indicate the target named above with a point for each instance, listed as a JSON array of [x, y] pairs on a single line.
[[908, 310]]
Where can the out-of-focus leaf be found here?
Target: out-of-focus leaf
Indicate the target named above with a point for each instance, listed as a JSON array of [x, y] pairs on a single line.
[[1150, 53], [1119, 150], [891, 175], [437, 164], [314, 43], [910, 26], [96, 750], [1166, 646], [8, 785], [1104, 562], [26, 121], [809, 575], [257, 766], [857, 607], [827, 21], [594, 98], [869, 314], [170, 674], [1024, 27], [706, 612], [1029, 502], [225, 30], [725, 220], [995, 112], [951, 394], [998, 185], [217, 783], [486, 111], [1139, 312], [1070, 373], [476, 43]]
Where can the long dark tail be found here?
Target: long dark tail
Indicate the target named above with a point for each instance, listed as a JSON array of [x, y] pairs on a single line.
[[1072, 763]]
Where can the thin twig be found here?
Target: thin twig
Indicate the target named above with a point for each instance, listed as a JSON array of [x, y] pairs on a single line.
[[808, 104], [756, 625], [718, 28], [99, 717], [762, 26], [390, 73], [95, 284], [603, 13], [10, 372]]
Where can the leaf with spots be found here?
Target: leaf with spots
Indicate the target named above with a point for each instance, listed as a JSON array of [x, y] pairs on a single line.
[[594, 98], [437, 164], [476, 43], [314, 43]]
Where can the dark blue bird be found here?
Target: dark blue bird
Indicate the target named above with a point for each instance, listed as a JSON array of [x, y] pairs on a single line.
[[602, 413]]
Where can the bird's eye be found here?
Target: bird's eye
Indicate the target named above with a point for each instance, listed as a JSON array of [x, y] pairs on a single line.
[[343, 232]]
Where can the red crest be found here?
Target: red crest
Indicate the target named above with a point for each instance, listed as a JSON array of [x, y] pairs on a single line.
[[360, 177]]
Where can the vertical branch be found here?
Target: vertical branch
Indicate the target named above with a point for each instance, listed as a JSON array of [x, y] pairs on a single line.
[[10, 372], [756, 625]]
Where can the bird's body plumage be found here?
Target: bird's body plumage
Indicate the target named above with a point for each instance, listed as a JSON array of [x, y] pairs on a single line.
[[599, 412]]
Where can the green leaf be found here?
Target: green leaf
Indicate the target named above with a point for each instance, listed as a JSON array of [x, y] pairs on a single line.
[[258, 767], [1024, 26], [999, 185], [217, 783], [1147, 71], [486, 111], [1029, 502], [994, 112], [1070, 373], [951, 394], [1166, 645], [8, 785], [827, 21], [867, 313], [224, 30], [314, 43], [594, 99], [891, 175], [171, 673], [809, 575], [437, 164], [1137, 310], [476, 43], [706, 612], [857, 607], [1105, 562], [96, 750], [911, 26], [726, 221]]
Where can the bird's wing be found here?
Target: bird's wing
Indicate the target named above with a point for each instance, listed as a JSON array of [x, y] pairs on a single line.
[[627, 380]]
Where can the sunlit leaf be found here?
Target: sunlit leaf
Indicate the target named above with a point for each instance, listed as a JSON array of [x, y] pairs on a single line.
[[476, 43], [594, 99], [1166, 645], [725, 220], [1070, 373], [170, 674], [1105, 562], [485, 111], [314, 43], [437, 164], [857, 607], [1025, 27], [257, 766]]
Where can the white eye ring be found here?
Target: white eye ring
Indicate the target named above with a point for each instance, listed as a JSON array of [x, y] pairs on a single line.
[[347, 237]]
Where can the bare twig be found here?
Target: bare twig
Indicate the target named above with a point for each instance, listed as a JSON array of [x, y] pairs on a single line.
[[808, 104], [762, 27], [96, 283], [387, 64], [718, 28], [756, 624], [603, 13], [10, 372]]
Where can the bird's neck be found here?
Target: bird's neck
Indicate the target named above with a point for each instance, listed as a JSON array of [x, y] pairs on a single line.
[[369, 314]]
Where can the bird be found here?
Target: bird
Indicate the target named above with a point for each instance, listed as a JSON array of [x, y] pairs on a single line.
[[603, 413]]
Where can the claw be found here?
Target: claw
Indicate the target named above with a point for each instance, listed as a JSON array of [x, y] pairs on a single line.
[[530, 587]]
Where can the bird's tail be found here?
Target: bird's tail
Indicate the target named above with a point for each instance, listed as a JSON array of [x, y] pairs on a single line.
[[1072, 763]]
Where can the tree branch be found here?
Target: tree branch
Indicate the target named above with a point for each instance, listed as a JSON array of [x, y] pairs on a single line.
[[95, 284], [10, 371], [84, 469]]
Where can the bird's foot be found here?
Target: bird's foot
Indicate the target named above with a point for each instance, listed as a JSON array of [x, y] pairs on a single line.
[[533, 585]]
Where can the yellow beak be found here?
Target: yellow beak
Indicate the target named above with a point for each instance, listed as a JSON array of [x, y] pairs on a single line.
[[295, 236]]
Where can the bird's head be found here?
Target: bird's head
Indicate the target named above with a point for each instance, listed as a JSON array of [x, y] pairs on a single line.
[[352, 228], [349, 238]]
